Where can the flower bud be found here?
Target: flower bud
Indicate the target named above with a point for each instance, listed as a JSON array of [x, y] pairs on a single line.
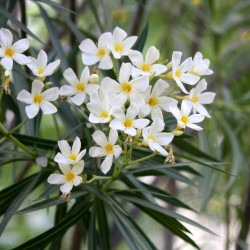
[[42, 161], [177, 132], [93, 78]]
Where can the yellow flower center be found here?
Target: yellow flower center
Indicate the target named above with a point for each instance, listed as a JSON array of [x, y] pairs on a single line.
[[73, 157], [151, 137], [128, 123], [101, 52], [109, 148], [9, 52], [178, 73], [80, 87], [126, 87], [184, 119], [194, 99], [70, 176], [40, 71], [153, 101], [104, 114], [119, 48], [38, 99], [146, 67]]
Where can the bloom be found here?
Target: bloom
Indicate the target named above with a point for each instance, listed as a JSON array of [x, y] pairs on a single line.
[[69, 178], [100, 53], [196, 98], [107, 149], [155, 100], [146, 67], [39, 66], [68, 155], [120, 92], [200, 66], [180, 71], [127, 123], [119, 44], [38, 99], [155, 139], [10, 52], [78, 88], [183, 118]]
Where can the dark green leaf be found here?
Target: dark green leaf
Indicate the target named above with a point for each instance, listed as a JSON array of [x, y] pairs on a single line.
[[142, 39], [92, 229]]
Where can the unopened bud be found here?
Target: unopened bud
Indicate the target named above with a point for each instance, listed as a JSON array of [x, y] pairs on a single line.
[[93, 78], [47, 84], [169, 65], [42, 161], [177, 132]]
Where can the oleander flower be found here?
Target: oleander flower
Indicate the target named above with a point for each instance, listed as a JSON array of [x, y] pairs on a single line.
[[107, 149], [156, 100], [69, 178], [200, 66], [78, 88], [38, 99], [120, 45], [180, 71], [119, 92], [92, 54], [127, 123], [155, 138], [196, 98], [183, 117], [10, 52], [69, 155], [147, 66], [39, 66]]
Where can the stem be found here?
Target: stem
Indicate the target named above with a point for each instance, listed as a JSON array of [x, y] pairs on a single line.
[[6, 133], [98, 178], [142, 159], [18, 126]]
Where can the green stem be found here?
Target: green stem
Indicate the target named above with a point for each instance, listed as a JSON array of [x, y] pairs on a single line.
[[19, 125], [98, 178], [176, 86], [6, 133], [142, 159]]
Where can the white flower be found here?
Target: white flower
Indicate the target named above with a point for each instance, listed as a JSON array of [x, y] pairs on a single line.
[[100, 110], [68, 155], [107, 149], [156, 100], [69, 178], [38, 99], [78, 88], [146, 67], [100, 53], [127, 123], [155, 139], [200, 66], [10, 52], [196, 98], [119, 44], [39, 66], [183, 118], [120, 92], [179, 71]]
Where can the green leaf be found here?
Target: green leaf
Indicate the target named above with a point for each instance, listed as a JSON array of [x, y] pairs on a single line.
[[50, 203], [92, 229], [8, 16], [142, 39], [72, 217]]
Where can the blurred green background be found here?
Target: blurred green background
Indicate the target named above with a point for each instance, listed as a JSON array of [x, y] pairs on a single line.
[[220, 30]]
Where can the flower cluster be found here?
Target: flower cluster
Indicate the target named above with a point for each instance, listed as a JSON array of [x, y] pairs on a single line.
[[132, 106]]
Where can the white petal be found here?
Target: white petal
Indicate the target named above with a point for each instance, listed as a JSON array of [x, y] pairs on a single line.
[[78, 99], [137, 98], [105, 63], [156, 113], [128, 43], [6, 38], [81, 154], [95, 119], [152, 55], [103, 39], [110, 86], [66, 188], [186, 107], [36, 88], [51, 68], [175, 111], [176, 59], [62, 159], [136, 58], [159, 88], [32, 110], [195, 127], [7, 63], [85, 75], [21, 45], [78, 167], [76, 145], [56, 179], [202, 110], [158, 69], [51, 94], [186, 65], [97, 152], [90, 59], [65, 168], [67, 90], [196, 118], [77, 181], [113, 136], [70, 76], [118, 100], [130, 131], [140, 123], [132, 111], [119, 34], [164, 138], [201, 86], [64, 147], [100, 138], [118, 114], [179, 83], [165, 102], [157, 126], [94, 108], [116, 124], [189, 79], [87, 46], [151, 144], [48, 108], [117, 151], [125, 72], [42, 59], [144, 110], [21, 59], [160, 149], [106, 164], [138, 72], [90, 88], [25, 97], [207, 97], [140, 84]]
